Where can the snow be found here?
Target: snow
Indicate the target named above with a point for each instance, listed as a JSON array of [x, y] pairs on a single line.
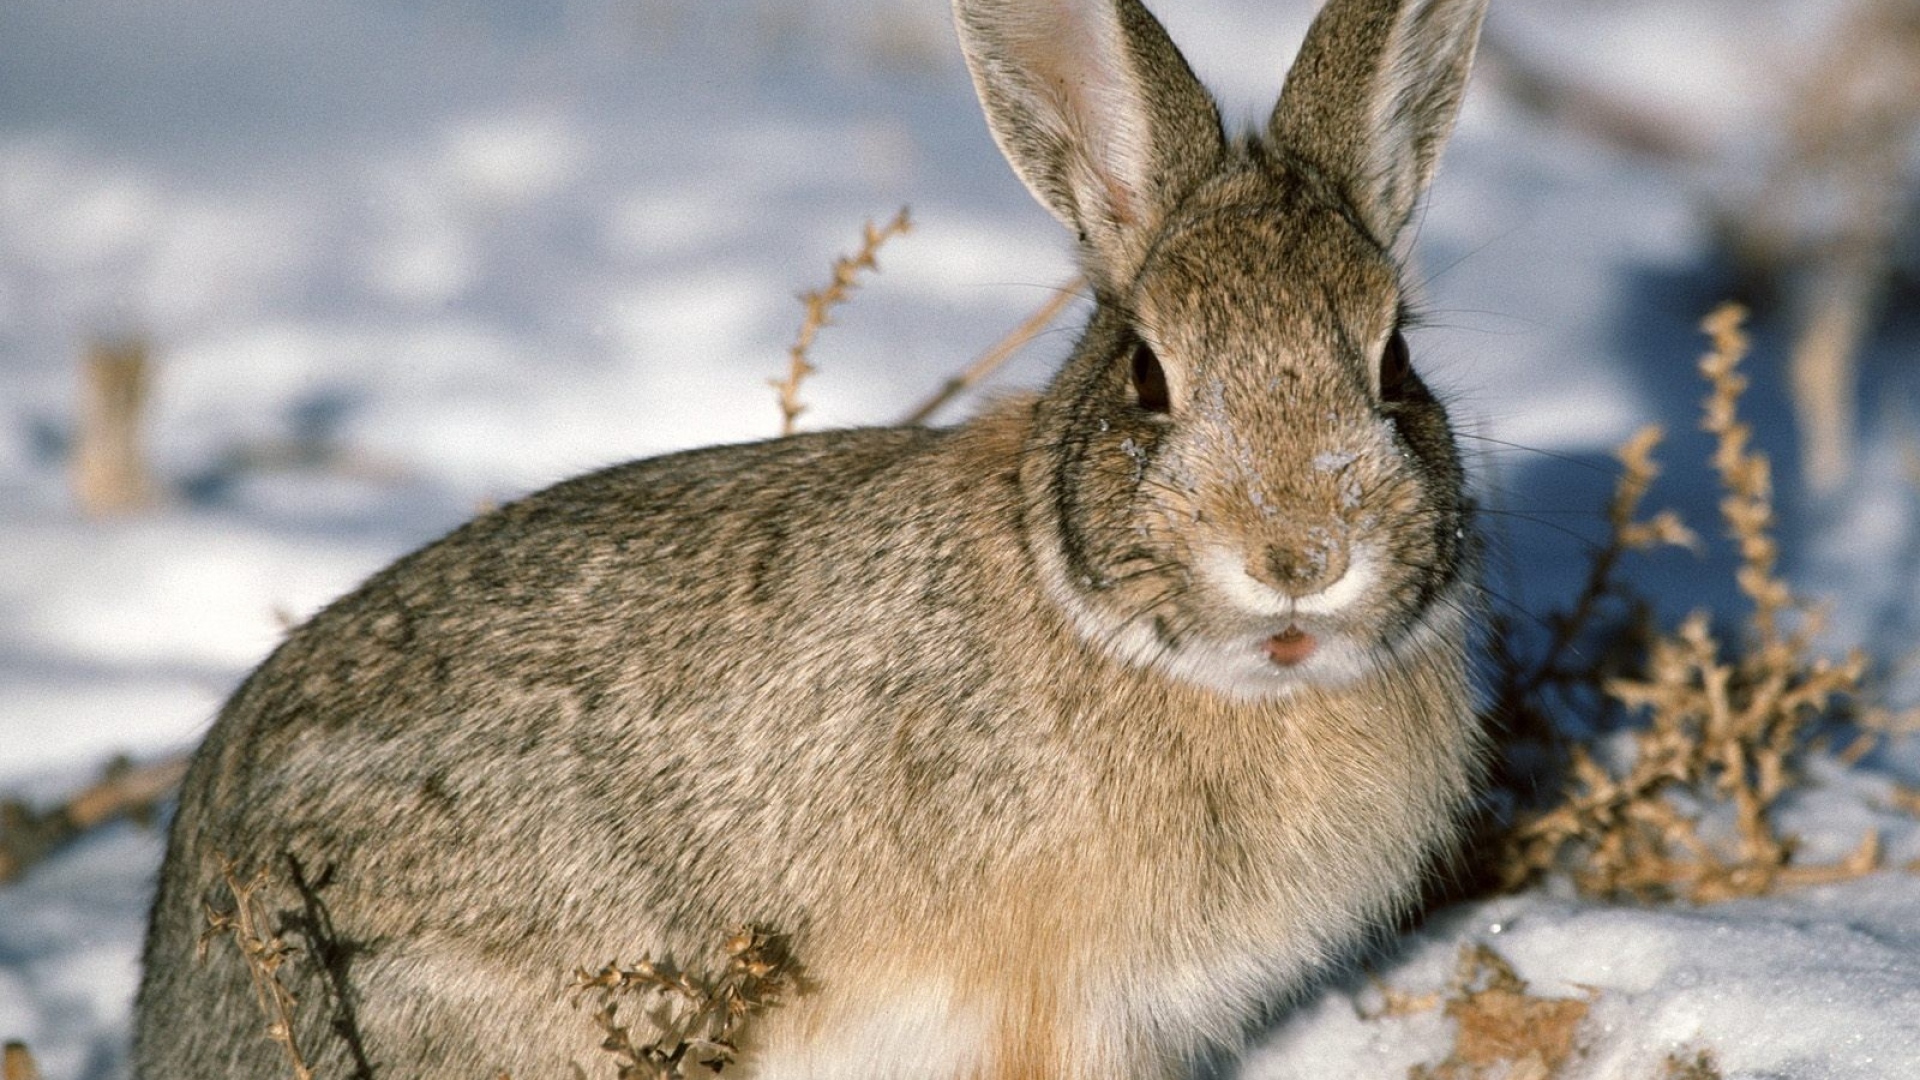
[[1822, 984], [483, 246]]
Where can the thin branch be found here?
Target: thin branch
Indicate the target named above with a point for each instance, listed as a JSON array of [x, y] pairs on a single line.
[[27, 837], [110, 471], [264, 953], [1002, 351], [18, 1063], [820, 304]]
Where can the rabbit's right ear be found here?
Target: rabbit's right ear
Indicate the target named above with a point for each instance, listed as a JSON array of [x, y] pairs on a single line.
[[1098, 113]]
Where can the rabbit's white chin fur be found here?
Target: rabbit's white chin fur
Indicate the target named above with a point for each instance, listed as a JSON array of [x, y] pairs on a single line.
[[1238, 663]]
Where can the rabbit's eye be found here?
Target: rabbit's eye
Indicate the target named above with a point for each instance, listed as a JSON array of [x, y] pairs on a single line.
[[1149, 381], [1396, 369]]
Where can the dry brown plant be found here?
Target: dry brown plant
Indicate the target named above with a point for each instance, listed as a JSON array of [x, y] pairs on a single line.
[[125, 791], [110, 474], [1000, 351], [1396, 1003], [1828, 225], [17, 1063], [264, 952], [1905, 799], [697, 1023], [1532, 686], [819, 309], [1724, 727], [1502, 1029]]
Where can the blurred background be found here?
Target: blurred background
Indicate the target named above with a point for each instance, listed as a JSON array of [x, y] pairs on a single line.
[[289, 287]]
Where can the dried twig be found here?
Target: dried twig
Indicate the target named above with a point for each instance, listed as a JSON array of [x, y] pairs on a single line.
[[18, 1064], [820, 304], [264, 952], [109, 467], [699, 1023], [126, 791], [1001, 351], [1628, 532]]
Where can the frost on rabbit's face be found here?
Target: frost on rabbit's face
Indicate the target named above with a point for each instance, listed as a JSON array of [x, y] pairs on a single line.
[[1286, 512]]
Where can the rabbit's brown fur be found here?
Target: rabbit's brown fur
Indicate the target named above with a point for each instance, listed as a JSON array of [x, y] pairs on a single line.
[[1059, 744]]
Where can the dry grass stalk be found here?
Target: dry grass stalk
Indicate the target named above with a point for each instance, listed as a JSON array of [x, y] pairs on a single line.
[[1001, 351], [1730, 732], [1835, 211], [1501, 1029], [697, 1023], [125, 791], [109, 466], [819, 307], [17, 1063], [264, 952]]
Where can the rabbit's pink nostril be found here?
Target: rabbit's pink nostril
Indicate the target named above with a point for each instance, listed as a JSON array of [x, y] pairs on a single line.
[[1291, 647]]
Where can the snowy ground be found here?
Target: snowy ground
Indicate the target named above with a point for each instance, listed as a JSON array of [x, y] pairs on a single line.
[[487, 244]]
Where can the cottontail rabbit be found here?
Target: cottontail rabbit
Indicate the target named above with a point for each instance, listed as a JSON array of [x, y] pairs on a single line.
[[1059, 744]]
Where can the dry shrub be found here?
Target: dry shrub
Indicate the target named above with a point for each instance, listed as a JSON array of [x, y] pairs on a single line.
[[1501, 1029], [820, 304], [1728, 721], [697, 1023], [265, 953]]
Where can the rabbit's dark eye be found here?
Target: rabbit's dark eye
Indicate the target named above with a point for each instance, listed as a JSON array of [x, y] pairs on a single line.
[[1396, 369], [1149, 381]]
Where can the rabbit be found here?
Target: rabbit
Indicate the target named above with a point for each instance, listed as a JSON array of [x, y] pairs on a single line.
[[1067, 743]]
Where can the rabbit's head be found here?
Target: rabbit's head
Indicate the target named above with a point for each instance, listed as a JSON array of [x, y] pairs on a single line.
[[1238, 478]]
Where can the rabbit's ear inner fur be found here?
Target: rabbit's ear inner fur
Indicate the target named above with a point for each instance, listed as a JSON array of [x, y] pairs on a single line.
[[1097, 112], [1373, 96]]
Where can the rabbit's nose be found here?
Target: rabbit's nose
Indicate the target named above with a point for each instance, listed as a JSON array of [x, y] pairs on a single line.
[[1302, 568]]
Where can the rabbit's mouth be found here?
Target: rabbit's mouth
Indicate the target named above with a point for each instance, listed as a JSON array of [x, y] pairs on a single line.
[[1291, 647], [1270, 662]]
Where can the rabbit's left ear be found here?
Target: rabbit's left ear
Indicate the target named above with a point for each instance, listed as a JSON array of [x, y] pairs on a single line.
[[1373, 96], [1098, 113]]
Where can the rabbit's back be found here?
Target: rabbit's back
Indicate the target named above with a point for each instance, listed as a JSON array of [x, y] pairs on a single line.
[[612, 720]]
